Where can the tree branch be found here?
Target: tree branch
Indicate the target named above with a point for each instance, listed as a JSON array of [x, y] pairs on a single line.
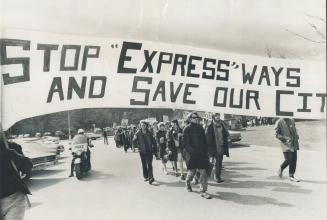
[[303, 37]]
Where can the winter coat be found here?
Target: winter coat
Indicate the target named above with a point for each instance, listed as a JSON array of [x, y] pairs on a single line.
[[195, 151], [125, 138], [211, 140], [145, 142], [162, 146], [131, 137], [287, 134], [11, 181], [172, 135], [119, 138]]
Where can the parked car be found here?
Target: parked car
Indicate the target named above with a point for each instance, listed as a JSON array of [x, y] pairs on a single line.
[[110, 131], [60, 134], [92, 135], [55, 141], [13, 136], [42, 156], [234, 136], [38, 134], [47, 134], [98, 131]]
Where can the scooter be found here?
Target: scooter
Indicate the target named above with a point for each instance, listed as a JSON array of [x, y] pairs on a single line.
[[81, 165]]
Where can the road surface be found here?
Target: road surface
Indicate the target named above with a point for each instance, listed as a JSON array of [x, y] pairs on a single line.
[[115, 189]]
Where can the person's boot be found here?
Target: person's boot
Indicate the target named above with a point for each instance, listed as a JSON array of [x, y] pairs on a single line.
[[151, 180], [205, 195], [189, 187], [280, 172], [71, 170], [292, 178], [71, 174]]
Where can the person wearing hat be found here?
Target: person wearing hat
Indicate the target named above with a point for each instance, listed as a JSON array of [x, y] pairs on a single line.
[[217, 139], [196, 154], [81, 138], [147, 146]]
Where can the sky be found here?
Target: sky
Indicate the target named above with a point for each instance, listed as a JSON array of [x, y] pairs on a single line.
[[292, 29]]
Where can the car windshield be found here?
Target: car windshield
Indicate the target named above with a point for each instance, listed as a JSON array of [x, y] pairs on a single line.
[[80, 139]]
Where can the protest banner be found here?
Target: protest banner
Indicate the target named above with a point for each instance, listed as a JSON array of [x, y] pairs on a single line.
[[44, 73]]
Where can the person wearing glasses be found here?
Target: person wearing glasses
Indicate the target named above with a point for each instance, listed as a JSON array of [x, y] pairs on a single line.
[[196, 153]]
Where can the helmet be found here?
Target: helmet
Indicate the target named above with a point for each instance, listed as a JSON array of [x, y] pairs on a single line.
[[80, 131]]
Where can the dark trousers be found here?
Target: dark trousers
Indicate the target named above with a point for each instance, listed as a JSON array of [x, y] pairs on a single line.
[[72, 165], [105, 140], [218, 165], [290, 160], [147, 165], [126, 146]]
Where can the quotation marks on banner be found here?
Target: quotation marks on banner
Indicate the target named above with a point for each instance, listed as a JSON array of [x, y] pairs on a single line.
[[235, 65], [114, 46]]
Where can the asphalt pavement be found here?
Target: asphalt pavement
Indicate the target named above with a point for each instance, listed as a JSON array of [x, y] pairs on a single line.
[[115, 189]]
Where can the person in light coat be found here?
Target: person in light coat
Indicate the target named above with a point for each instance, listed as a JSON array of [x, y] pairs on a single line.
[[286, 133]]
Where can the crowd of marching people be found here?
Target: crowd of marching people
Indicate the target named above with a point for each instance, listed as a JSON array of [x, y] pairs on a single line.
[[201, 146]]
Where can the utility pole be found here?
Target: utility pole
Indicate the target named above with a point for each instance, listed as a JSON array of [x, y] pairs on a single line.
[[69, 135]]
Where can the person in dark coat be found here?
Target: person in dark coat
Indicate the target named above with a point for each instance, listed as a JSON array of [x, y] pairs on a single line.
[[126, 140], [105, 136], [154, 129], [147, 146], [161, 139], [131, 136], [13, 190], [175, 136], [119, 137], [217, 140], [196, 154]]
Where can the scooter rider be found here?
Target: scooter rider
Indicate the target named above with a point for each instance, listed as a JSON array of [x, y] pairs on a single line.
[[81, 138]]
